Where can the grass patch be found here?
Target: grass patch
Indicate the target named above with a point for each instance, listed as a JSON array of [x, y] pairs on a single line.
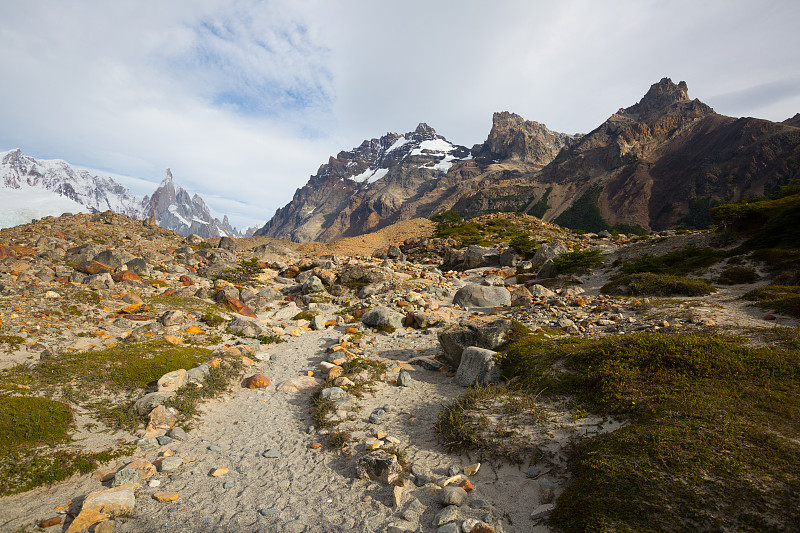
[[29, 428], [87, 297], [386, 328], [485, 418], [782, 298], [650, 284], [13, 341], [212, 320], [578, 260], [338, 439], [677, 263], [737, 274], [712, 439]]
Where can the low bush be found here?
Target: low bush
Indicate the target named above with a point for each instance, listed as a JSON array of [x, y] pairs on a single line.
[[649, 284]]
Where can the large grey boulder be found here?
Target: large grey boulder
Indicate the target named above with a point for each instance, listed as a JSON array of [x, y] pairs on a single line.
[[549, 251], [484, 332], [312, 285], [382, 315], [480, 256], [477, 366], [474, 295], [114, 258], [247, 327]]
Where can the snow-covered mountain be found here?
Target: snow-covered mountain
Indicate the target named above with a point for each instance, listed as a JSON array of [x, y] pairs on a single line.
[[174, 209], [364, 189], [33, 188]]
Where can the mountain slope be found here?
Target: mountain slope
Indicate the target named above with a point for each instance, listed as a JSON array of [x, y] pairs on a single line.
[[369, 187]]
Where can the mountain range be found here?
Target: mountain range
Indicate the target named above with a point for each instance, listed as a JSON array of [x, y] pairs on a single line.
[[661, 162], [33, 188]]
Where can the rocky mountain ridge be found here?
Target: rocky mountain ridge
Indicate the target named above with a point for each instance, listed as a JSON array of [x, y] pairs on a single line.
[[658, 163], [366, 188], [41, 187]]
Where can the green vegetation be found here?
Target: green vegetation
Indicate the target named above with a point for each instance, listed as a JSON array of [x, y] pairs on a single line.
[[305, 315], [649, 284], [338, 439], [30, 428], [246, 272], [386, 328], [677, 263], [465, 424], [263, 339], [585, 215], [87, 297], [514, 230], [13, 341], [541, 206], [712, 435], [578, 260], [212, 320], [736, 274], [782, 298], [188, 304]]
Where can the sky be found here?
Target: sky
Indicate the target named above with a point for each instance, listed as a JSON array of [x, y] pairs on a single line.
[[245, 99]]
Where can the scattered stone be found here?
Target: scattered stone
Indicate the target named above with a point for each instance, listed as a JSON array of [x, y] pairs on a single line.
[[178, 433], [542, 511], [219, 472], [272, 453], [50, 522], [474, 295], [383, 316], [483, 332], [332, 393], [165, 496], [472, 469], [150, 401], [404, 378], [453, 496], [127, 476], [379, 466], [448, 514], [228, 485], [171, 464]]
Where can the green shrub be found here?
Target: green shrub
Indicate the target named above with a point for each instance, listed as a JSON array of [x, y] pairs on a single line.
[[678, 263], [734, 275], [649, 284], [578, 260], [782, 298]]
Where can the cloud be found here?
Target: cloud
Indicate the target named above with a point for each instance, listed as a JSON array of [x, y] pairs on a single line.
[[244, 100]]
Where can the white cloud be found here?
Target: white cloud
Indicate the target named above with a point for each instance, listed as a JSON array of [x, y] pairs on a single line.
[[245, 99]]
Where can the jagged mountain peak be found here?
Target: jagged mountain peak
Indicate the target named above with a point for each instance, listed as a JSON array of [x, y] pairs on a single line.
[[424, 128], [662, 97], [168, 179], [514, 138]]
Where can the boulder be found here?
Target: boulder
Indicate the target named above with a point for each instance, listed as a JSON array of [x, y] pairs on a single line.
[[313, 285], [100, 281], [484, 332], [382, 315], [172, 381], [477, 366], [114, 258], [227, 243], [480, 256], [473, 295], [248, 328], [150, 401], [549, 251]]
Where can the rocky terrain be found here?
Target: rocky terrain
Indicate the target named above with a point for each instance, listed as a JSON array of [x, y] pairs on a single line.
[[333, 364], [656, 164]]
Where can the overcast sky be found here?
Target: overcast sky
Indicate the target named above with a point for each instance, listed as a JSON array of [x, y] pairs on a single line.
[[244, 100]]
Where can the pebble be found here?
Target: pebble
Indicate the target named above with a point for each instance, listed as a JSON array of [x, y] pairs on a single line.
[[268, 512], [228, 484], [163, 440], [272, 453], [404, 378], [214, 448], [453, 496], [376, 415], [171, 464], [472, 469]]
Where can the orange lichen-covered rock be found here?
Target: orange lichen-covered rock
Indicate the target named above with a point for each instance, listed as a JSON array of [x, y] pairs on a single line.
[[237, 306], [258, 381]]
